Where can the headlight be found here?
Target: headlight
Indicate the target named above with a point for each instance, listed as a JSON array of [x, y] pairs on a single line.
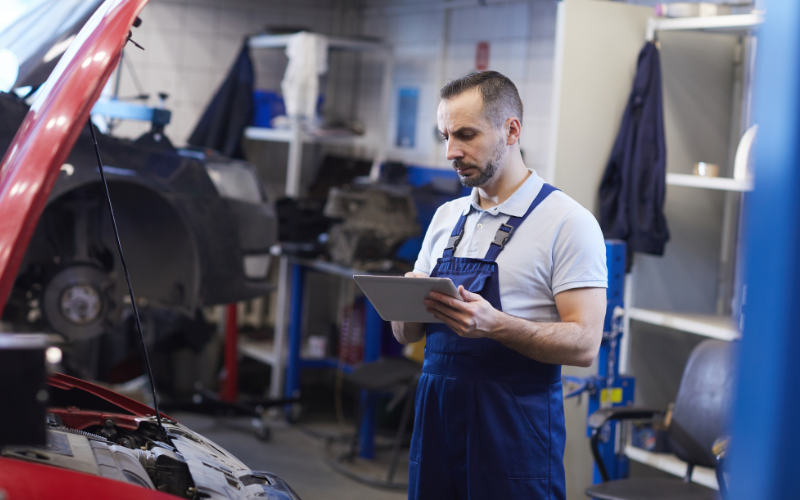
[[256, 266], [236, 181]]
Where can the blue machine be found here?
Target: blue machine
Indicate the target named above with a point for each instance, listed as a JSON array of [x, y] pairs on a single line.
[[608, 388], [128, 111]]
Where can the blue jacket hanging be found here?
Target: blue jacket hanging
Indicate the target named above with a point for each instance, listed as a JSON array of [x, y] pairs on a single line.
[[633, 186], [231, 110]]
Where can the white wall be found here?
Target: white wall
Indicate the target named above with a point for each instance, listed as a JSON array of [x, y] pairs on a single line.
[[434, 43], [191, 44]]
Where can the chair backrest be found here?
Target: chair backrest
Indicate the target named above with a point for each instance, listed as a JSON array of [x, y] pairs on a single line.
[[701, 408]]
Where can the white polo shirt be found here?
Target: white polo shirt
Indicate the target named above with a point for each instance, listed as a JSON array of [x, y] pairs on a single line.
[[558, 247]]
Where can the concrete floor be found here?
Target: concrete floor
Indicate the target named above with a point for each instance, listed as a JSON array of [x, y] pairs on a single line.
[[297, 457]]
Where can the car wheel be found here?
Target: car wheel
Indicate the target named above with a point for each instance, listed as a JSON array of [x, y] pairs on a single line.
[[76, 301]]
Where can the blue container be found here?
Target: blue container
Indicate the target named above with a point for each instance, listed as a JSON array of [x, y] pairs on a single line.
[[268, 105]]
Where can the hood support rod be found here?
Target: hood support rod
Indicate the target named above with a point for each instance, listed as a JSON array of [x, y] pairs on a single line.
[[161, 429]]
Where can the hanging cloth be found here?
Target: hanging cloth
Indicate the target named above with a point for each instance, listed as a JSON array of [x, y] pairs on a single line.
[[231, 110], [633, 186], [308, 59]]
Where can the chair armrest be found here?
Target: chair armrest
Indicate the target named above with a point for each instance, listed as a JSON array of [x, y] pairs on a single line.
[[720, 446], [600, 417], [720, 450]]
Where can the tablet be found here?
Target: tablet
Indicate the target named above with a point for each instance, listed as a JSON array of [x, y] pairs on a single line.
[[397, 298]]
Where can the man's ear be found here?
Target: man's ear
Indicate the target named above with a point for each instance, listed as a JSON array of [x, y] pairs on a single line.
[[514, 128]]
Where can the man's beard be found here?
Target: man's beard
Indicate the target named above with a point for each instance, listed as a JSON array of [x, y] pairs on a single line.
[[484, 174]]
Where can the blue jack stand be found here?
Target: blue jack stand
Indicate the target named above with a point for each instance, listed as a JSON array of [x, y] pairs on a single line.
[[608, 388]]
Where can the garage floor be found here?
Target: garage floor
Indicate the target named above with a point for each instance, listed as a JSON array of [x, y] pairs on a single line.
[[297, 456]]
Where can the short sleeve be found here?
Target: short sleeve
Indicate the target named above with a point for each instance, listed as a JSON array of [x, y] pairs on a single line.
[[423, 263], [579, 253]]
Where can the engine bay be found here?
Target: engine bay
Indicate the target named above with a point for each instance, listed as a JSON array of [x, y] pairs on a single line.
[[90, 434]]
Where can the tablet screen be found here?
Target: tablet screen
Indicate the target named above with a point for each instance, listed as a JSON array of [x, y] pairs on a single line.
[[398, 298]]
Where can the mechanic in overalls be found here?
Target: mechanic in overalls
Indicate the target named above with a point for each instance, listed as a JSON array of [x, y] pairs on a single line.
[[530, 264]]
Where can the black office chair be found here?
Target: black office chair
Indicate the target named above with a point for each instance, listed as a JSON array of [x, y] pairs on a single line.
[[698, 420]]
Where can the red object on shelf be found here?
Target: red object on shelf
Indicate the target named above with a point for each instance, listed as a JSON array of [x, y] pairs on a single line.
[[482, 56], [351, 340], [229, 385]]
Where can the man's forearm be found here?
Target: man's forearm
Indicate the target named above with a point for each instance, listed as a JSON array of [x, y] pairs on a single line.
[[408, 333], [562, 343]]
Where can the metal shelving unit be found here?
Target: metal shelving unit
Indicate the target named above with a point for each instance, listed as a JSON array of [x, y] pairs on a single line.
[[706, 325], [717, 326], [296, 136], [286, 135], [266, 351], [732, 25], [273, 353]]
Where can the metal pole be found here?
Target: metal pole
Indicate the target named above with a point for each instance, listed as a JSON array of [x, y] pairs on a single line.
[[763, 458], [278, 360], [295, 332], [293, 168], [373, 331]]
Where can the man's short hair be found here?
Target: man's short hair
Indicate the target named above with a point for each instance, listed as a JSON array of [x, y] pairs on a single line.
[[500, 97]]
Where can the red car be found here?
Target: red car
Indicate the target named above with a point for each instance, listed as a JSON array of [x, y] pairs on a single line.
[[99, 444]]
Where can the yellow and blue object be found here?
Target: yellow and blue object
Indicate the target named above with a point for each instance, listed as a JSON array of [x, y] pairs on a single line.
[[608, 387]]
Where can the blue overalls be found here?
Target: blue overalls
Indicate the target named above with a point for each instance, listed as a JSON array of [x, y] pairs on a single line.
[[489, 421]]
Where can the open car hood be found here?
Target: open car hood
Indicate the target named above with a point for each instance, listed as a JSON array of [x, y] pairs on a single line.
[[65, 382], [43, 142]]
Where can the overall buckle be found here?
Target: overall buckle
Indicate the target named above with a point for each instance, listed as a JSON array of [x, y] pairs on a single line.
[[454, 240], [502, 235]]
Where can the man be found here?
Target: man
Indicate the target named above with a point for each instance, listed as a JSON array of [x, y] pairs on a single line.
[[530, 265]]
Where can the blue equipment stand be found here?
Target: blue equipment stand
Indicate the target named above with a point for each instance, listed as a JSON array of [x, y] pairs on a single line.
[[609, 388], [373, 331]]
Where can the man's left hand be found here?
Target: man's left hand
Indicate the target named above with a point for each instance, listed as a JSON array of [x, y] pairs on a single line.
[[474, 317]]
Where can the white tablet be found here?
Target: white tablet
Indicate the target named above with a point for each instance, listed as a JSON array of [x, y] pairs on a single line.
[[397, 298]]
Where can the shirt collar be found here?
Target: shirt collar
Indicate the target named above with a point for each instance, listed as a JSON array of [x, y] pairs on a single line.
[[517, 204]]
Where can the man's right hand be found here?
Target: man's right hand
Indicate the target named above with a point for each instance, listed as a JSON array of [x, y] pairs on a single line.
[[415, 274]]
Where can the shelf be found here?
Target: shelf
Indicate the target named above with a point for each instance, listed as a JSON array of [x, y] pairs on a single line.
[[722, 183], [334, 43], [328, 267], [261, 351], [707, 325], [671, 464], [285, 135], [735, 25]]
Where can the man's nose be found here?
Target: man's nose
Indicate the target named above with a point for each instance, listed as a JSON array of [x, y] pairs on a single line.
[[454, 151]]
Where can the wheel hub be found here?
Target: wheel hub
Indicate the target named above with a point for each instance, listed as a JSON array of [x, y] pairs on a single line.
[[75, 302], [80, 304]]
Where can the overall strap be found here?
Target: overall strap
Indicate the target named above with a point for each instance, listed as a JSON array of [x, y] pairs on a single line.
[[455, 236], [506, 230]]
